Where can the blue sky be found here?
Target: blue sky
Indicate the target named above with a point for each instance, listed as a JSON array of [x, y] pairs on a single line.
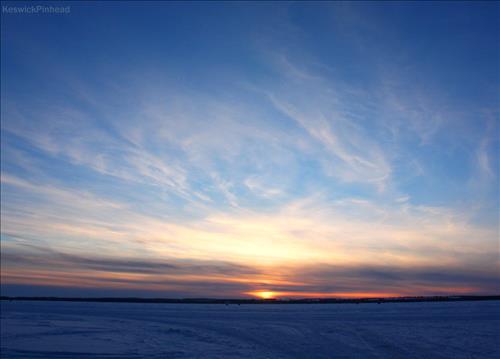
[[213, 148]]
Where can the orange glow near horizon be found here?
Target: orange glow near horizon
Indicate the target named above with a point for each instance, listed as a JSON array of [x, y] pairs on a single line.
[[297, 295], [264, 294], [93, 279], [354, 295]]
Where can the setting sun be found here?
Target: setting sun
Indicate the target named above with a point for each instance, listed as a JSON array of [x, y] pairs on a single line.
[[264, 294]]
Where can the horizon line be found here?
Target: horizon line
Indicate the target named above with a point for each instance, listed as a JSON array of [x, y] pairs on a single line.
[[201, 300]]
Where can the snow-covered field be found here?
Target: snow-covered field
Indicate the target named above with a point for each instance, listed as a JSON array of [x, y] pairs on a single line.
[[107, 330]]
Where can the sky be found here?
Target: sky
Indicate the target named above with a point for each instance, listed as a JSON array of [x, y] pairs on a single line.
[[250, 149]]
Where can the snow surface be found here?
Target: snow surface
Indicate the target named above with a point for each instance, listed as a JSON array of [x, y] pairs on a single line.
[[389, 330]]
